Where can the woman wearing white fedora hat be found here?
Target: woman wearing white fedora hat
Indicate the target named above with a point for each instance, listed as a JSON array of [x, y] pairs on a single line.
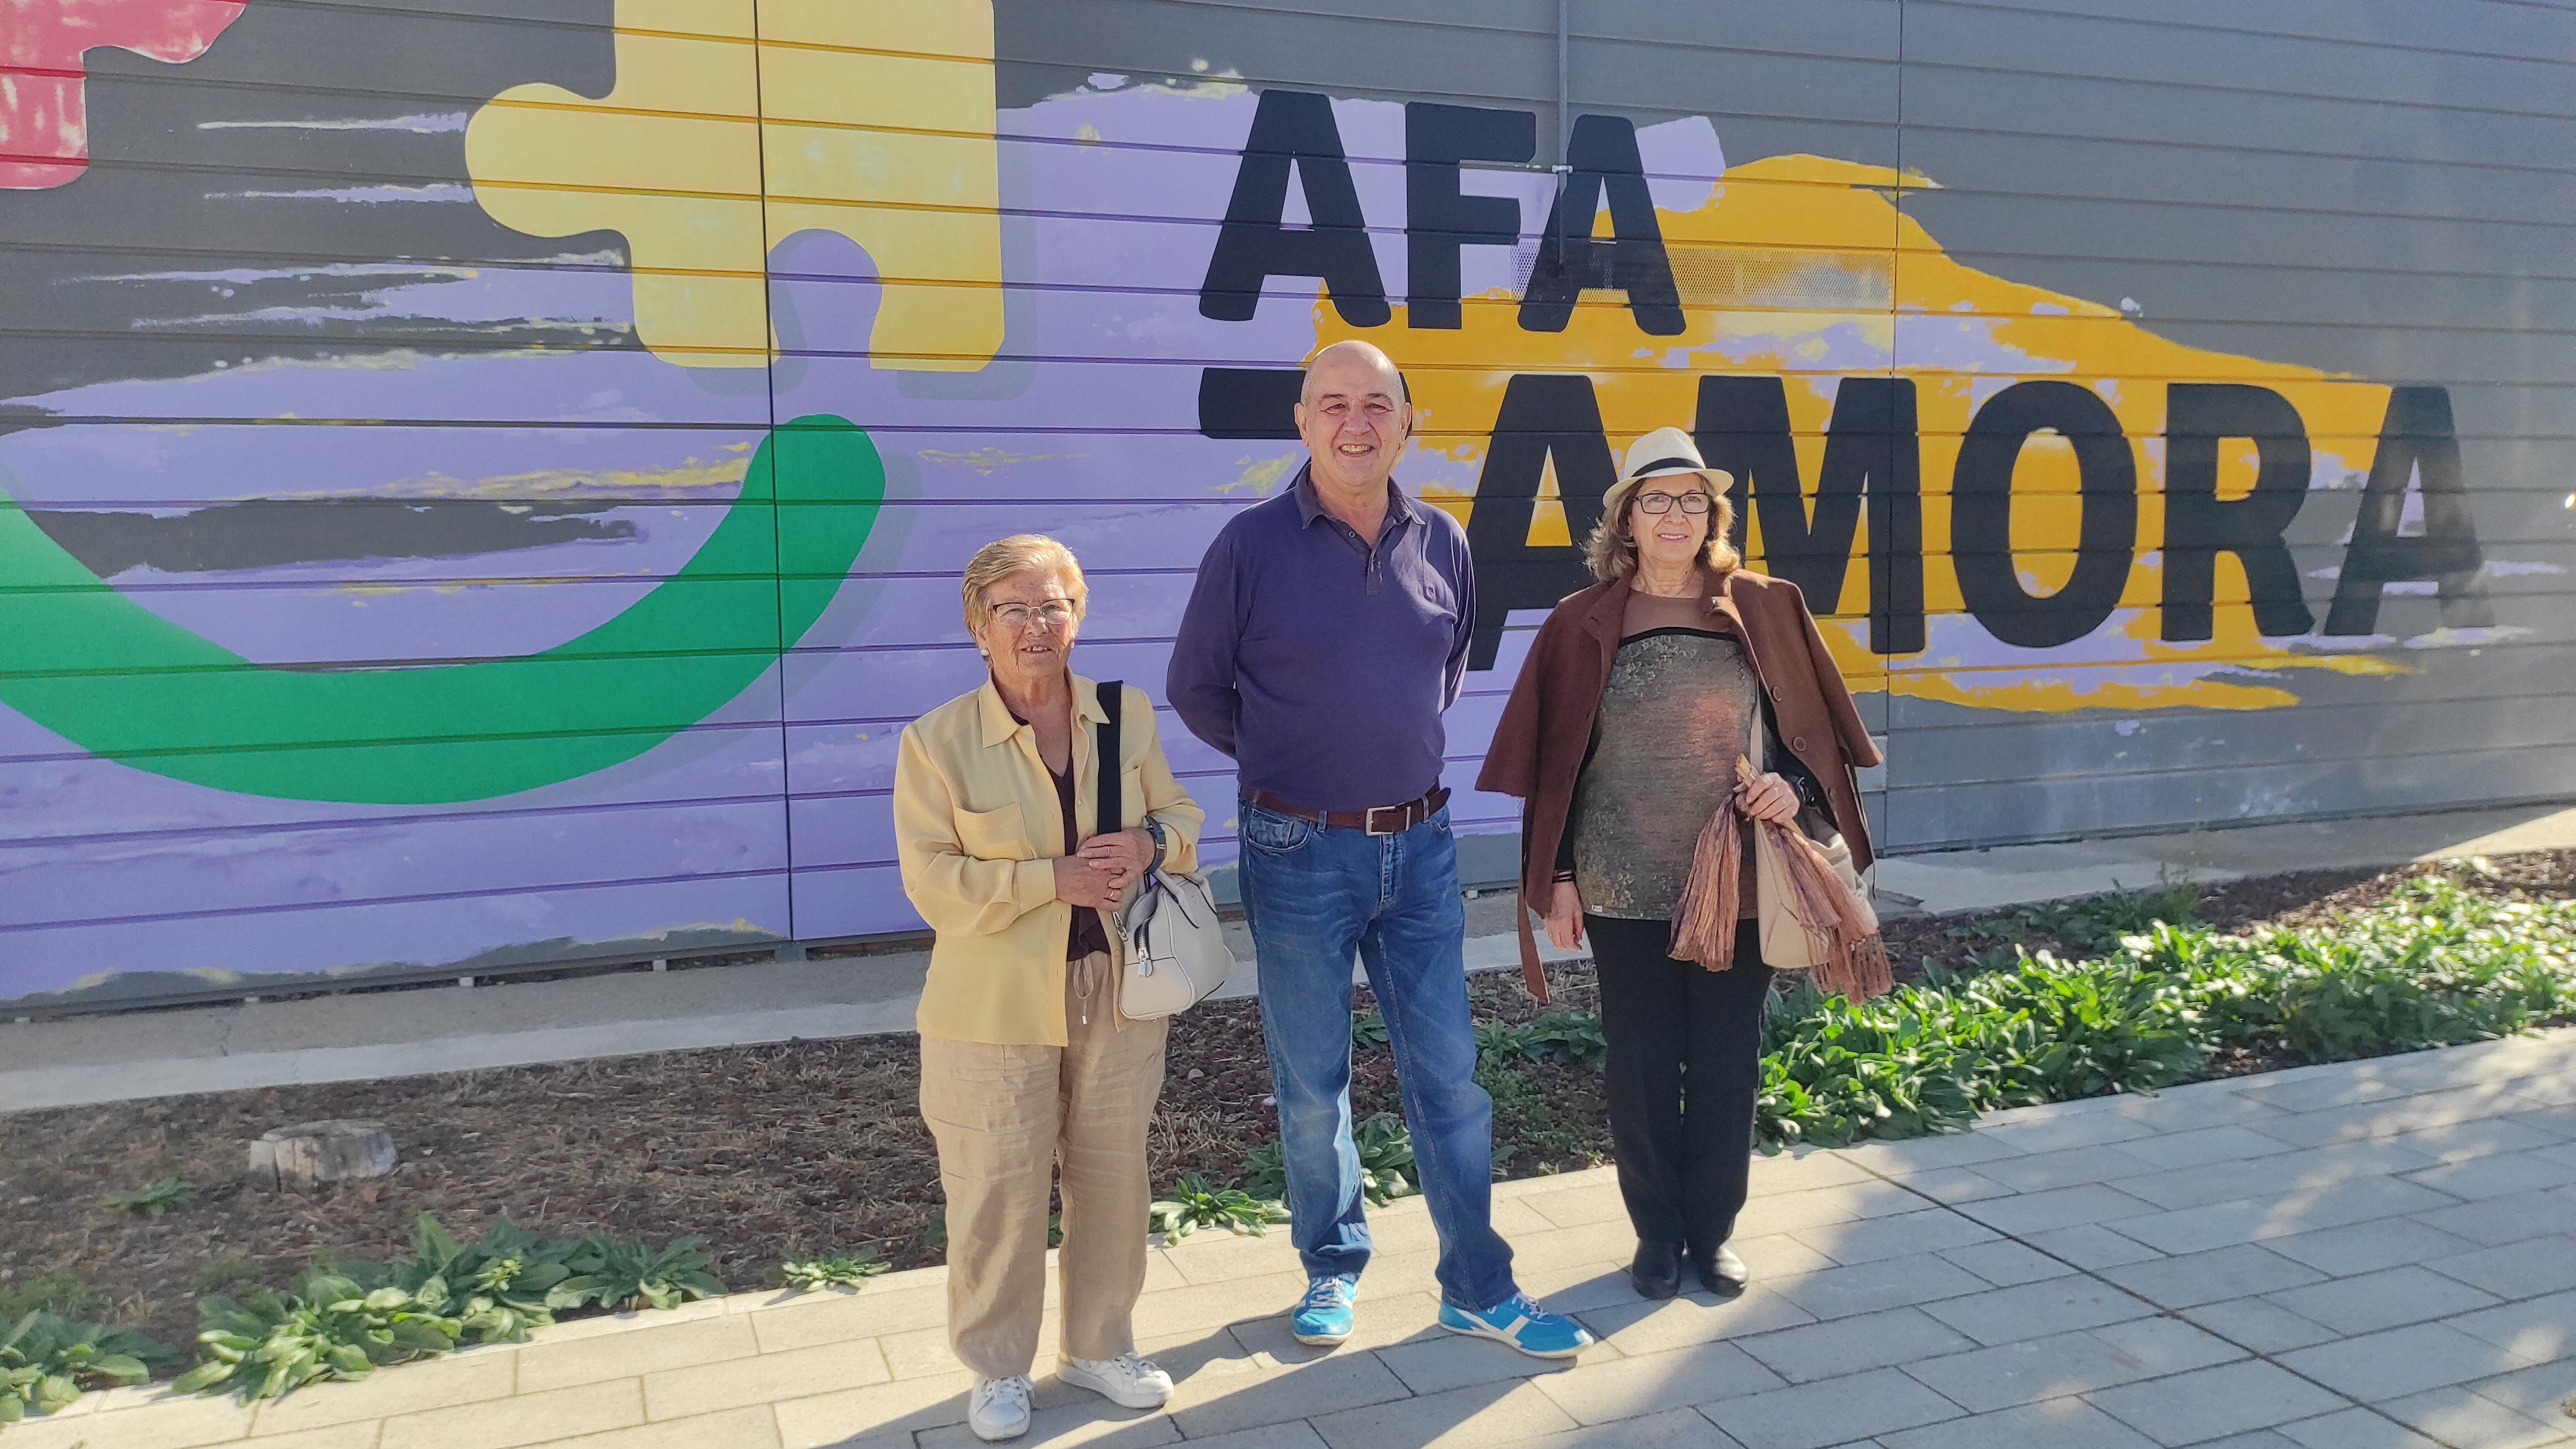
[[1623, 737]]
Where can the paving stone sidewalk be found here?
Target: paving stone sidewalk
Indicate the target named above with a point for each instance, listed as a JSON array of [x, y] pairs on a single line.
[[2374, 1255]]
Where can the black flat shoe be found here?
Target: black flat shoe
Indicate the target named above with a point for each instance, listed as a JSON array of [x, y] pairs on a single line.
[[1657, 1273], [1720, 1271]]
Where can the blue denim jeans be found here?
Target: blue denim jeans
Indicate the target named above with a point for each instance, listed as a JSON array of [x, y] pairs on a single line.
[[1315, 897]]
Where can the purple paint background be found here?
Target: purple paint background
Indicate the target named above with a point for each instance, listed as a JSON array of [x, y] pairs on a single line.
[[768, 819], [1085, 428]]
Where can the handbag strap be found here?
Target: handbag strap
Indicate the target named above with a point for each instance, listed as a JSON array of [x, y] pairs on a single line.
[[1113, 811]]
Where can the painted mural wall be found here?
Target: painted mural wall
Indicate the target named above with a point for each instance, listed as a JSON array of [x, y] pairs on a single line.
[[483, 484]]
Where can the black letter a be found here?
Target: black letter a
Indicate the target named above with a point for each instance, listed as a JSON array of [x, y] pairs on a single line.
[[2415, 440], [1603, 155], [1544, 416], [1293, 128]]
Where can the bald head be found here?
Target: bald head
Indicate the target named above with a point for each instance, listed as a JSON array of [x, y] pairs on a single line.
[[1353, 361], [1354, 415]]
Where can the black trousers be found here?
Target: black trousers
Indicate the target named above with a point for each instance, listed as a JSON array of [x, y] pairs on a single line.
[[1685, 1062]]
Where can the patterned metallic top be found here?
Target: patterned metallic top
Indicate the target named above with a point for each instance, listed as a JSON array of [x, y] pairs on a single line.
[[1679, 710]]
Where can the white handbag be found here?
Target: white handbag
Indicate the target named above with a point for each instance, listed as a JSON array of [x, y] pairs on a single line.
[[1174, 948], [1172, 953]]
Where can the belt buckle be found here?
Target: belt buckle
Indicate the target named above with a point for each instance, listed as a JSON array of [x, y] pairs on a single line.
[[1403, 813]]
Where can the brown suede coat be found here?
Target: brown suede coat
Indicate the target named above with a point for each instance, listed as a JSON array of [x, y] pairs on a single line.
[[1546, 729]]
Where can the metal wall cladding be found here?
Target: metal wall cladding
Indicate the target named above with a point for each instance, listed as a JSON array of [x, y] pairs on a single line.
[[485, 483]]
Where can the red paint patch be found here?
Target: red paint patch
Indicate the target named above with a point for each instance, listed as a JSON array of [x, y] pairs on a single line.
[[44, 117]]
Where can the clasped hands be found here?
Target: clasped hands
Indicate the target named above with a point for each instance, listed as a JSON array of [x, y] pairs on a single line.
[[1766, 797], [1100, 873]]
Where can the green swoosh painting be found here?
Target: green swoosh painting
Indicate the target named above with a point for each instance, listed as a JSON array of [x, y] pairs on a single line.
[[120, 681]]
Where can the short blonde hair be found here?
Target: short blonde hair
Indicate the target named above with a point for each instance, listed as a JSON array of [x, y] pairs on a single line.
[[1019, 553], [1613, 554]]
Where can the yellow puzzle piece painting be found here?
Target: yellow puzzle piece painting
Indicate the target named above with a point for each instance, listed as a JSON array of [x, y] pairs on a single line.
[[735, 125]]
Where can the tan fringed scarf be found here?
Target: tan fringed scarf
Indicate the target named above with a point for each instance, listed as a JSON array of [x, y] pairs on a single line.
[[1851, 957]]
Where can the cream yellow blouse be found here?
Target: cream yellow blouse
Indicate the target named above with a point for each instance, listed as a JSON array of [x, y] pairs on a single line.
[[977, 824]]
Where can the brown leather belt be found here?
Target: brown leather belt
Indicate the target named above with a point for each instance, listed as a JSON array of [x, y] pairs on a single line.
[[1376, 820]]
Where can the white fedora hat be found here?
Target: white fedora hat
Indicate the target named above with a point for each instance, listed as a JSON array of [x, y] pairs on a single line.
[[1670, 450]]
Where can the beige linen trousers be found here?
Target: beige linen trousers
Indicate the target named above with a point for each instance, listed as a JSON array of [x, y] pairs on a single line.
[[1010, 1118]]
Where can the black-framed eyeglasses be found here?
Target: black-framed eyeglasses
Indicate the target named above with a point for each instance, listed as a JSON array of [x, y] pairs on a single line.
[[1693, 504]]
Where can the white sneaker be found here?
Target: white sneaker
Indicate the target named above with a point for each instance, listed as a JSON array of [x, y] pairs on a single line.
[[1129, 1381], [999, 1408]]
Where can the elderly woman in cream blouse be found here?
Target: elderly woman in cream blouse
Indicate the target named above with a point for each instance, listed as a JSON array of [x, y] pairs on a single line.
[[1026, 1064]]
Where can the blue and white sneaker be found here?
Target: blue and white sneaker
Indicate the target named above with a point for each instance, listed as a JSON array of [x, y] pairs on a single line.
[[1322, 1319], [1522, 1324]]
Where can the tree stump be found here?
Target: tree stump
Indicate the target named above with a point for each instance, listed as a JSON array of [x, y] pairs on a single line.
[[305, 1157]]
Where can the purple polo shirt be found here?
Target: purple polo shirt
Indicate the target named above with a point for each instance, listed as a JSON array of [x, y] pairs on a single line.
[[1321, 664]]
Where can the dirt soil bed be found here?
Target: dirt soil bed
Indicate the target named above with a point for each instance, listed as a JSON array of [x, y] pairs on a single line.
[[771, 1152]]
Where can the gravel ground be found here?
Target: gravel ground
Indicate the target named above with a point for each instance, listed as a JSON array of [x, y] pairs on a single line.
[[771, 1152]]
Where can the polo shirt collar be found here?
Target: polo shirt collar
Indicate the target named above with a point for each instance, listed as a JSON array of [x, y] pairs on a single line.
[[1310, 505], [998, 726]]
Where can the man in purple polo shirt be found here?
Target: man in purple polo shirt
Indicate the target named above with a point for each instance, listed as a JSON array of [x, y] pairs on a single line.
[[1327, 632]]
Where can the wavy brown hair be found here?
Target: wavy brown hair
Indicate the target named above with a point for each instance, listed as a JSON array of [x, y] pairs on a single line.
[[1612, 552]]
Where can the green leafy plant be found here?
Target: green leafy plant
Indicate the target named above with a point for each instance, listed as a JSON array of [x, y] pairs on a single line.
[[838, 1270], [1265, 1172], [1196, 1204], [1386, 1158], [2097, 923], [628, 1275], [226, 1274], [154, 1199], [66, 1294], [2088, 923], [1368, 1029], [326, 1327], [2433, 966], [48, 1361], [496, 1287], [1572, 1037], [1386, 1162]]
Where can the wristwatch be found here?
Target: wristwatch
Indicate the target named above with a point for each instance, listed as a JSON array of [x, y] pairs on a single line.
[[1162, 844]]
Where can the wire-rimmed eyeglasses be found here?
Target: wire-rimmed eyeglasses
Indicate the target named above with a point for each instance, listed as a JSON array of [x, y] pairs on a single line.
[[1052, 613]]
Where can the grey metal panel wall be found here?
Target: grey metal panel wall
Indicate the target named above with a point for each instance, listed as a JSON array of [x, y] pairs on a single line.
[[281, 284], [2378, 189], [2384, 189]]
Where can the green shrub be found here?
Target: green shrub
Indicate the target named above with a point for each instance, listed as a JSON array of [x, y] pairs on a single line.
[[2433, 966], [624, 1275], [1832, 1073], [154, 1199], [497, 1287], [1195, 1204], [326, 1327], [66, 1294], [2092, 923], [1368, 1029], [838, 1270], [1386, 1162], [343, 1320], [1386, 1158], [226, 1274], [1572, 1036], [1265, 1172], [47, 1361]]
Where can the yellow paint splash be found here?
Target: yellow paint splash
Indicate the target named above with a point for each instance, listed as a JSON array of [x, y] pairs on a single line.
[[1259, 476], [985, 460], [1805, 267], [870, 118], [693, 476]]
